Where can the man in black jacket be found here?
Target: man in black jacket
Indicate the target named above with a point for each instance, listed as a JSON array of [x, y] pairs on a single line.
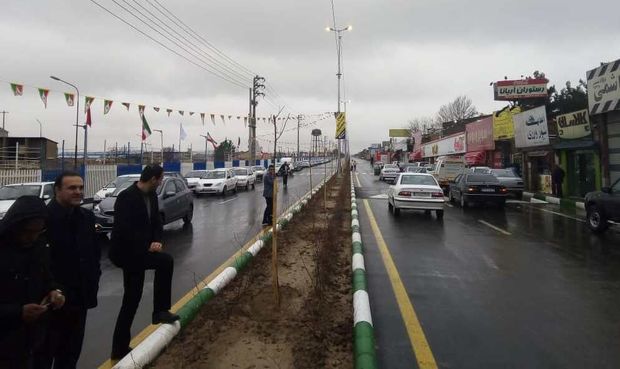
[[75, 255], [28, 289], [136, 246]]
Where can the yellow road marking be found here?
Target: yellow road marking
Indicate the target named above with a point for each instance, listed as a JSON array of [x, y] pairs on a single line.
[[421, 348], [494, 227], [108, 364]]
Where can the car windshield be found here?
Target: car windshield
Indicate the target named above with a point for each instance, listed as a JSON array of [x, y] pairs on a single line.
[[504, 173], [215, 174], [241, 172], [417, 180], [195, 174], [14, 192], [258, 168], [120, 180], [482, 178], [123, 187]]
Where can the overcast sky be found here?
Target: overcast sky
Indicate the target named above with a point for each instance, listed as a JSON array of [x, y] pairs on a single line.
[[402, 59]]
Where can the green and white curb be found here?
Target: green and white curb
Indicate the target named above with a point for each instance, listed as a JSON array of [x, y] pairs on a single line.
[[556, 200], [149, 349], [363, 331]]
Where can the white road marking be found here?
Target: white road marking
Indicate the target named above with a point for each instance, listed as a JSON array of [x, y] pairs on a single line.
[[494, 227], [563, 215], [382, 196], [224, 202], [449, 205], [490, 262], [537, 201]]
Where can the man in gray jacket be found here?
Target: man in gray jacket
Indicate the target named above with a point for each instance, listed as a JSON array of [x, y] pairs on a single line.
[[268, 180]]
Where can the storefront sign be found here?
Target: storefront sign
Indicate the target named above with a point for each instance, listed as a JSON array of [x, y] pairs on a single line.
[[480, 135], [604, 88], [399, 132], [503, 128], [574, 125], [531, 128], [454, 144], [520, 89]]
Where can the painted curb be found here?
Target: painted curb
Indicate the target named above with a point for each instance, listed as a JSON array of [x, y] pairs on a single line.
[[365, 356], [556, 200], [149, 349]]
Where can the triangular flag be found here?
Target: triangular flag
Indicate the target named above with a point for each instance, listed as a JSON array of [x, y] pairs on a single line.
[[223, 121], [89, 122], [182, 133], [239, 141], [229, 118], [202, 118], [146, 130], [238, 117], [245, 121], [141, 109], [191, 113], [43, 94], [126, 105], [168, 111], [213, 119], [181, 112], [107, 105], [87, 101], [156, 109], [18, 90], [264, 119], [70, 98]]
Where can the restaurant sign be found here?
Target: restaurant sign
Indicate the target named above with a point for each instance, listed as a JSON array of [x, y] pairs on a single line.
[[510, 90]]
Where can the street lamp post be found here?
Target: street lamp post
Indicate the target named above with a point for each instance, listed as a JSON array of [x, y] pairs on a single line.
[[40, 128], [77, 117], [161, 132]]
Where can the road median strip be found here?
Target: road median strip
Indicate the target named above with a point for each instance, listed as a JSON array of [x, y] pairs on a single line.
[[156, 341]]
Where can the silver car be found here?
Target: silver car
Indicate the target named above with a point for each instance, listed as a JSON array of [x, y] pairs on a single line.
[[509, 179]]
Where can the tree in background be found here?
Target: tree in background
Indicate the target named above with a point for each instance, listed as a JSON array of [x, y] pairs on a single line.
[[225, 150], [421, 124], [569, 99], [460, 108]]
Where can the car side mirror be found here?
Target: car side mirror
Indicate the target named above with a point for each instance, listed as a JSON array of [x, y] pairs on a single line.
[[606, 190], [169, 194]]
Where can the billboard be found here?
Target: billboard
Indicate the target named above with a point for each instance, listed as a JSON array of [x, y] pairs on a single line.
[[451, 145], [341, 126], [604, 88], [574, 125], [503, 127], [400, 132], [531, 128], [480, 135], [510, 90]]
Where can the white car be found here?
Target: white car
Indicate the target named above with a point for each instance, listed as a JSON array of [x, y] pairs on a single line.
[[245, 177], [111, 187], [10, 193], [259, 172], [194, 177], [390, 172], [416, 191], [217, 181]]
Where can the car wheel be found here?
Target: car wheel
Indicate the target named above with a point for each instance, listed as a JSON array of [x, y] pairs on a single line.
[[396, 211], [236, 188], [390, 207], [450, 197], [380, 178], [597, 221], [224, 190], [427, 212], [254, 185], [463, 202], [190, 214], [439, 214]]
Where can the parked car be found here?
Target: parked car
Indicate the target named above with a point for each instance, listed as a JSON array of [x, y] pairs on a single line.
[[174, 197], [509, 179], [112, 186], [193, 177], [217, 181], [416, 191], [10, 193], [259, 172], [603, 207], [470, 187], [176, 175], [245, 177], [390, 172]]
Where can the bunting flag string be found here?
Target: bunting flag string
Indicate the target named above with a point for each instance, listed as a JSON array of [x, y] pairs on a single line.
[[181, 112], [229, 118], [245, 121], [107, 105], [238, 117], [202, 118], [213, 119], [191, 113], [168, 111], [18, 90], [156, 109], [87, 102], [126, 105], [223, 121], [146, 130], [69, 98], [43, 94], [141, 110]]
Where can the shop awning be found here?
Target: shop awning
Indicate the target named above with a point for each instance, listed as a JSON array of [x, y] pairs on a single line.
[[475, 158], [574, 144]]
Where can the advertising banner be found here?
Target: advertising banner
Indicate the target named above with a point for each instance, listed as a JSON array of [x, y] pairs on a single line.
[[480, 135], [503, 127], [417, 140], [531, 128], [399, 132], [574, 125], [454, 144], [341, 126], [604, 88], [520, 89]]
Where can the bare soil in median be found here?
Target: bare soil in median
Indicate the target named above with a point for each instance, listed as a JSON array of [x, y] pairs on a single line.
[[312, 328]]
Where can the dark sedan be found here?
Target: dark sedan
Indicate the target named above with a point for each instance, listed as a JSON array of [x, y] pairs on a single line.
[[509, 179], [175, 202], [603, 207], [470, 188]]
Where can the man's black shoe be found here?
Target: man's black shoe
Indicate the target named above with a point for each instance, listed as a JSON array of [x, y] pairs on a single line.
[[119, 354], [165, 317]]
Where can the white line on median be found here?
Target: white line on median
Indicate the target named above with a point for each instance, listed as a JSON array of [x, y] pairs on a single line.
[[494, 227], [224, 202]]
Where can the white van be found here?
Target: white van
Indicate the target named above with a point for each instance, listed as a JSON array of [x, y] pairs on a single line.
[[446, 169]]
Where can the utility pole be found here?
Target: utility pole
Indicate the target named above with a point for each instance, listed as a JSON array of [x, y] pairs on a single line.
[[298, 124], [257, 90], [4, 113]]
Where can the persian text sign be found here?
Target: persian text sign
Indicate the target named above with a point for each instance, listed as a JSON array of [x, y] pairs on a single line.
[[604, 88], [503, 128], [454, 144], [520, 89], [574, 125], [531, 128], [480, 135]]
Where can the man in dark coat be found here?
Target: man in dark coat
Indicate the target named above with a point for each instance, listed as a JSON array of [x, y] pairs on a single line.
[[136, 247], [28, 289], [268, 180], [557, 178], [75, 254]]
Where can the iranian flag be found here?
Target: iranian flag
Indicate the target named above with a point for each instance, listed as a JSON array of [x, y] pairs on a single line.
[[107, 105], [210, 139], [87, 102], [43, 95], [126, 105], [18, 90], [146, 130], [70, 98], [89, 121]]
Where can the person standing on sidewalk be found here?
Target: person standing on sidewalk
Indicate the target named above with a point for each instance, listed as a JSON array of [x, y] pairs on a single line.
[[75, 255], [557, 178], [28, 289], [136, 247], [268, 180]]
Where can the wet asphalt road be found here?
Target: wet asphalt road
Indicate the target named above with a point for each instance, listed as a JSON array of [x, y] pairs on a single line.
[[544, 293], [220, 227]]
